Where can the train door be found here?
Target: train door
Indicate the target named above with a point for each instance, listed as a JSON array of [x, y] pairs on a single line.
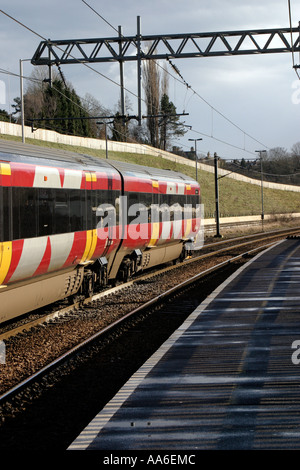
[[5, 233], [90, 212]]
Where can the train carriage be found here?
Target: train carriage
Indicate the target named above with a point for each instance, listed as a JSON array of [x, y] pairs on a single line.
[[152, 198], [71, 223]]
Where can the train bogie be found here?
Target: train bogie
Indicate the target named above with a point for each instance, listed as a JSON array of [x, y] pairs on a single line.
[[71, 225]]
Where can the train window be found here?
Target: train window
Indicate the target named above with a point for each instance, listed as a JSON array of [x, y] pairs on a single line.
[[155, 199], [7, 219], [170, 200], [45, 211], [181, 199], [61, 211], [169, 205], [193, 200], [16, 214], [76, 210], [24, 213], [31, 212], [146, 200], [108, 199], [133, 202], [28, 215], [90, 210]]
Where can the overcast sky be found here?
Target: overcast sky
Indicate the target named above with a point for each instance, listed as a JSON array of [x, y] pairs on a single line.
[[259, 93]]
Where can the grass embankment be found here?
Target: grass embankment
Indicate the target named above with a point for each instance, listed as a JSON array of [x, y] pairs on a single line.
[[236, 198]]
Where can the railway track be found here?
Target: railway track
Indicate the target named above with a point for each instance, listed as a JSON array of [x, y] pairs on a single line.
[[208, 250], [37, 360]]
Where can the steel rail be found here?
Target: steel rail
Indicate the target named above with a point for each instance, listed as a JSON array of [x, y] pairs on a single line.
[[58, 361], [253, 235], [98, 296]]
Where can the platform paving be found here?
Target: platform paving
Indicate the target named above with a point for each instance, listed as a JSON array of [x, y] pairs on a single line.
[[228, 378]]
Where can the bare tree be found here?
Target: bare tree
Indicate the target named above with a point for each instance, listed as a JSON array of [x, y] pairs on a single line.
[[35, 92], [164, 82], [95, 109], [151, 83], [295, 156], [156, 86]]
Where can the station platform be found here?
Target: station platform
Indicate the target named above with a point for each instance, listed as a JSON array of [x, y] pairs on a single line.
[[228, 378]]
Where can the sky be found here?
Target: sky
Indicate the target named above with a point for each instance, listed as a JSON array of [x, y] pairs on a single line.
[[236, 105]]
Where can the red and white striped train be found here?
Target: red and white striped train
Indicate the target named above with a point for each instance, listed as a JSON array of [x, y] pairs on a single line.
[[71, 223]]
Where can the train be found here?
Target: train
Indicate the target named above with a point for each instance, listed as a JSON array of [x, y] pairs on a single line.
[[72, 224]]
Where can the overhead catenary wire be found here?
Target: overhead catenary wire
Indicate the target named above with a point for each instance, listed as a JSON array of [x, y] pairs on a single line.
[[78, 60], [183, 81], [102, 18], [213, 109], [96, 71], [81, 62], [266, 173], [37, 80], [175, 68], [33, 79]]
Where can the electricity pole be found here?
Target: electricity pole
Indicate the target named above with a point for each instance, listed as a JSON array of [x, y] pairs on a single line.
[[262, 186], [216, 158], [195, 143]]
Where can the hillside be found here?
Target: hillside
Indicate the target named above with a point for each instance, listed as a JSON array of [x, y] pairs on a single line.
[[235, 198]]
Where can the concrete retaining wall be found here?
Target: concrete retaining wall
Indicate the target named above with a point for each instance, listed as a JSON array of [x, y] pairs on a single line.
[[7, 128], [247, 219]]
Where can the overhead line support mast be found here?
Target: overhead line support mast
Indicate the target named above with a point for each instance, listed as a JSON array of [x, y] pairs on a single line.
[[166, 46]]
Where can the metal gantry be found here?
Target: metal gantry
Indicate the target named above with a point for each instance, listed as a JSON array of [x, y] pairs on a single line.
[[167, 46]]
